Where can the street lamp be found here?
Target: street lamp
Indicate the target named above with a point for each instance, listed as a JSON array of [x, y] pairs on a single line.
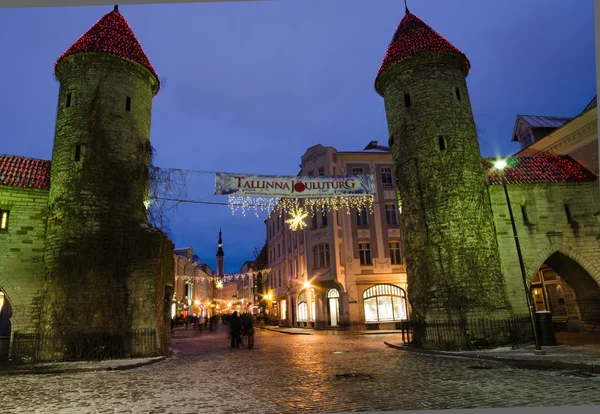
[[500, 165]]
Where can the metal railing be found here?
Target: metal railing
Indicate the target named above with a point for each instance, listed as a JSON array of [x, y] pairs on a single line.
[[515, 332], [85, 346]]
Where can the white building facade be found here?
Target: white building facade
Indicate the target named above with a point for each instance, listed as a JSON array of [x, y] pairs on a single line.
[[345, 269]]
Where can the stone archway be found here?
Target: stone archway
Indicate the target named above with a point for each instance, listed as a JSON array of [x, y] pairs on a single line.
[[568, 289]]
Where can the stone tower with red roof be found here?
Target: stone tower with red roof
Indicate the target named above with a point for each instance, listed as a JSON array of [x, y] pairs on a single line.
[[106, 270], [451, 252]]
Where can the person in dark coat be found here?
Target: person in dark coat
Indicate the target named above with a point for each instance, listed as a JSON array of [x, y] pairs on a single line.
[[235, 328], [248, 328]]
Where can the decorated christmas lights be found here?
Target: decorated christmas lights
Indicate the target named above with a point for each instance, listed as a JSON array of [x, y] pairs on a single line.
[[414, 36], [297, 220], [220, 280], [111, 34]]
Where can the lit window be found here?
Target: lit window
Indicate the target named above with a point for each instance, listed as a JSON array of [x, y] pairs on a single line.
[[395, 253], [390, 214], [3, 220], [386, 177], [302, 308], [364, 250], [320, 256], [384, 303]]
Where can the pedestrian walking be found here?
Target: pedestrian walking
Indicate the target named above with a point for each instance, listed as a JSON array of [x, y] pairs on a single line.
[[248, 328], [235, 329]]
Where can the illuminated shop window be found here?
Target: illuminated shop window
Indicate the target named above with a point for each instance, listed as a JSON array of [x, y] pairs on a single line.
[[4, 220], [385, 303], [302, 308]]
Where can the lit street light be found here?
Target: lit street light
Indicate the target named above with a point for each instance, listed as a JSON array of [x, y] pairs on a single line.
[[500, 165]]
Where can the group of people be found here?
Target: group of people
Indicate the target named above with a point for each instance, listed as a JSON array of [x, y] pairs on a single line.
[[241, 326]]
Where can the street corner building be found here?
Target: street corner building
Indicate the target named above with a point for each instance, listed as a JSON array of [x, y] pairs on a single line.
[[83, 273], [458, 243], [345, 270]]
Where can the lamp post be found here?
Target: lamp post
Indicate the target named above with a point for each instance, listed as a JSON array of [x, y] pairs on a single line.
[[500, 165]]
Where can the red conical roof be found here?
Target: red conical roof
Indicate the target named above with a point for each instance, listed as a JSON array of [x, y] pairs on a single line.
[[414, 36], [111, 34]]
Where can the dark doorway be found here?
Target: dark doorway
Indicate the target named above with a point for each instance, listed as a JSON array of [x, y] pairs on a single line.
[[565, 289], [5, 326]]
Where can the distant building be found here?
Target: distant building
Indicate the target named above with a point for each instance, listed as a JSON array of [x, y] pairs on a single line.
[[346, 268], [194, 285], [245, 285]]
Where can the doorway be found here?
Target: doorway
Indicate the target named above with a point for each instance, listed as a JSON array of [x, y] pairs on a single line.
[[333, 298]]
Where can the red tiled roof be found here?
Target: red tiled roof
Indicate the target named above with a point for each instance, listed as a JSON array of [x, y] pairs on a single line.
[[24, 172], [414, 36], [538, 170], [111, 34]]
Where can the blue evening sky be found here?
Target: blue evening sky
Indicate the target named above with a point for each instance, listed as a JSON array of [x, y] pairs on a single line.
[[251, 85]]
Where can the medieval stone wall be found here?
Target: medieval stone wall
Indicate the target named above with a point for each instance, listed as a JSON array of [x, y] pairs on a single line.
[[451, 253], [21, 252], [543, 229]]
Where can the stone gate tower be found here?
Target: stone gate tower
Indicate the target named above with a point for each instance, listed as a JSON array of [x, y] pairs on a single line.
[[451, 252], [106, 268]]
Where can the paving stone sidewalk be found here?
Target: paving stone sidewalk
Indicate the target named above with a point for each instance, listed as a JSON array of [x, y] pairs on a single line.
[[13, 368], [309, 331], [582, 358]]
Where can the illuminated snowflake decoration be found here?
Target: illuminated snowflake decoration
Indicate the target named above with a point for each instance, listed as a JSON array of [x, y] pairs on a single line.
[[219, 285], [297, 220]]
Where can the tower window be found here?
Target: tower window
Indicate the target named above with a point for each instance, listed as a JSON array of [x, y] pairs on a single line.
[[391, 141], [457, 92], [77, 152], [407, 101], [68, 103], [128, 104], [442, 143]]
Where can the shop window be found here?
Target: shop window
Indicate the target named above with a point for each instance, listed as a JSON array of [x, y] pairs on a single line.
[[385, 303]]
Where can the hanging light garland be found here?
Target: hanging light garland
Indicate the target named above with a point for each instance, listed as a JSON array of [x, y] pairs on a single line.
[[293, 207], [220, 280]]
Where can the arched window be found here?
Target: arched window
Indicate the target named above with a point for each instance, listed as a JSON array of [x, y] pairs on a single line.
[[333, 293], [333, 299], [385, 303], [302, 308]]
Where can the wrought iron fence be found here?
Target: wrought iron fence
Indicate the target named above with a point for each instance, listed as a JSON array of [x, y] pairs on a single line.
[[471, 334], [85, 346]]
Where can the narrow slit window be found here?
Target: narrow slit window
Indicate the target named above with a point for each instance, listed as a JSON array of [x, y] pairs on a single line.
[[457, 92], [568, 213], [77, 152], [442, 143], [68, 102], [407, 101], [128, 104], [524, 213]]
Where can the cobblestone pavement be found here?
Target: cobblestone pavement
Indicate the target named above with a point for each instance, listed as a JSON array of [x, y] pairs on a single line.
[[296, 373]]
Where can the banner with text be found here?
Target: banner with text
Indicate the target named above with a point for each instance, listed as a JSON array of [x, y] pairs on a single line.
[[301, 187]]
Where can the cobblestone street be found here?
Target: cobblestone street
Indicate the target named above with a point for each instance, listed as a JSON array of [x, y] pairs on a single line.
[[296, 373]]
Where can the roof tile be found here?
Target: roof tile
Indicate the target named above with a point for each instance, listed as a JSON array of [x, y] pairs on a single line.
[[24, 172]]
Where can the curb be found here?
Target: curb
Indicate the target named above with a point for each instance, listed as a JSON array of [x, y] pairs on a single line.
[[39, 371], [521, 363], [283, 332]]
